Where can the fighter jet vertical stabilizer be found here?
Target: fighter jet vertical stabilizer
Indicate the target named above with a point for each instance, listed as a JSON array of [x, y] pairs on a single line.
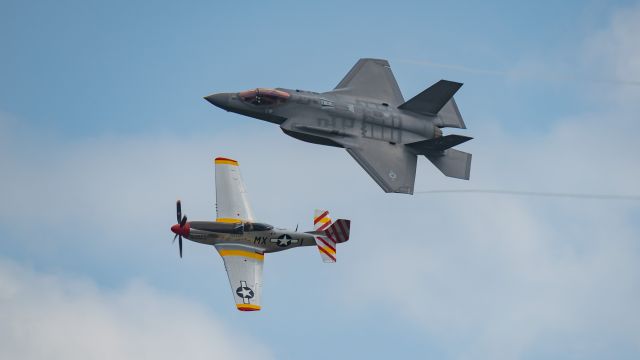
[[438, 101]]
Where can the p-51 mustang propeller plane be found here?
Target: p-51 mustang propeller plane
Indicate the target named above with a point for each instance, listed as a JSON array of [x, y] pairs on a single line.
[[242, 242], [367, 115]]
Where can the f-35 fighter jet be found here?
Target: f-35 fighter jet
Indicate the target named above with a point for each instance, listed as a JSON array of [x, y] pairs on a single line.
[[367, 115], [242, 241]]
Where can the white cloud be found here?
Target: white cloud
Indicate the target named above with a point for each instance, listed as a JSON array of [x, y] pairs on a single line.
[[44, 316], [615, 52], [500, 278], [488, 277]]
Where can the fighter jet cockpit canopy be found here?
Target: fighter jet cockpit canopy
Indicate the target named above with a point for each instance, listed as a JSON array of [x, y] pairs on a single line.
[[264, 97]]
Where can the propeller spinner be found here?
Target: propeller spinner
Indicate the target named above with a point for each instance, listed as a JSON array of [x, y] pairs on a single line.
[[181, 228]]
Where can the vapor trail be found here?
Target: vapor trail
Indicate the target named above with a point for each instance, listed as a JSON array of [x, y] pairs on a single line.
[[456, 67], [537, 193], [519, 73]]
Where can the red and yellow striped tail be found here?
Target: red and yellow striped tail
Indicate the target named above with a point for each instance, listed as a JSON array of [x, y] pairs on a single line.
[[327, 249], [339, 231], [329, 233], [321, 220]]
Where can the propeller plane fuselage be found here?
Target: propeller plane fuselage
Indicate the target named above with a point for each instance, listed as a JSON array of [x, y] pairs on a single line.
[[261, 236]]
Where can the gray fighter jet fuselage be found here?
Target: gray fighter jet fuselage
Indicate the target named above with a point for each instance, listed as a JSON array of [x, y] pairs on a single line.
[[337, 118], [367, 116]]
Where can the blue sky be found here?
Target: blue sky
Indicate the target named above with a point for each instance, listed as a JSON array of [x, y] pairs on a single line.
[[103, 126]]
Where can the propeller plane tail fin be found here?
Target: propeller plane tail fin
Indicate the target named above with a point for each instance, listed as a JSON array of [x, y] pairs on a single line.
[[328, 234]]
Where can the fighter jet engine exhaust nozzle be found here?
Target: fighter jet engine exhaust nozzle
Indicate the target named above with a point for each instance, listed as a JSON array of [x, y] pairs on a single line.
[[181, 228]]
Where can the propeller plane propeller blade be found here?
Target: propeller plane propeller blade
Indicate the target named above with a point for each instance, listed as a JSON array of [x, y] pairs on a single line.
[[182, 221]]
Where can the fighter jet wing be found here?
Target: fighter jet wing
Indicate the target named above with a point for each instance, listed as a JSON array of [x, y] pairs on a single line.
[[371, 78], [392, 166], [244, 269], [232, 203]]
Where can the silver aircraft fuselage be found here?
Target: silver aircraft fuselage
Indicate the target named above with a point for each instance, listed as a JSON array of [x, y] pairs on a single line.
[[256, 235]]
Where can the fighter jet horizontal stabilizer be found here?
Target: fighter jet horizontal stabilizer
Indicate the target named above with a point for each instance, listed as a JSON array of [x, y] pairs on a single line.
[[442, 143], [452, 163]]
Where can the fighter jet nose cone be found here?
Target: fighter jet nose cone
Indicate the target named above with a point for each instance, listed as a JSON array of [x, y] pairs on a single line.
[[220, 100]]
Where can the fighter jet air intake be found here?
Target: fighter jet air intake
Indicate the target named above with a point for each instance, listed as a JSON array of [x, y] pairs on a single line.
[[367, 115]]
